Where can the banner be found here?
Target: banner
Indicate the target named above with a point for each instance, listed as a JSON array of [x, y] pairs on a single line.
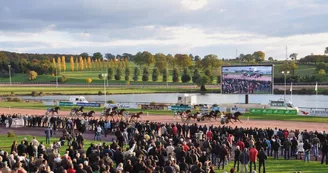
[[221, 109], [153, 107], [128, 106], [65, 103], [88, 104], [272, 111], [241, 110], [313, 112], [178, 108]]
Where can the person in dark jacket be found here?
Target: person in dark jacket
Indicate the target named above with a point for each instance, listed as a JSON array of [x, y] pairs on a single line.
[[262, 158], [222, 155], [236, 160], [324, 152], [307, 149], [294, 146], [287, 145], [244, 160]]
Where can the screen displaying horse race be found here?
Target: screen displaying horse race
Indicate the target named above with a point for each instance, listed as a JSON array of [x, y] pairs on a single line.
[[253, 79]]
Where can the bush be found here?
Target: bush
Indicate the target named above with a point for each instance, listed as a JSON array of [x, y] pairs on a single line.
[[218, 80], [110, 101], [100, 93], [63, 79], [164, 75], [196, 76], [209, 74], [41, 94], [12, 93], [185, 77], [155, 74], [100, 76], [175, 76], [127, 74], [10, 99], [145, 76], [110, 73], [152, 103], [118, 74], [136, 73], [11, 134], [34, 93]]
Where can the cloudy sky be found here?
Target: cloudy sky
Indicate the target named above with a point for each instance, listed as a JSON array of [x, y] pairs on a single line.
[[199, 27]]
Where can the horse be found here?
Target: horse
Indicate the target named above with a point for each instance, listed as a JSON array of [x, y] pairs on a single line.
[[89, 114], [121, 112], [76, 111], [136, 115], [192, 116], [53, 110], [184, 113], [110, 110], [229, 117]]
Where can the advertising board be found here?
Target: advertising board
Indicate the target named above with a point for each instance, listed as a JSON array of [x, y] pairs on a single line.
[[88, 104], [247, 79], [153, 107], [178, 108], [241, 110], [272, 111], [65, 103], [221, 109], [313, 112]]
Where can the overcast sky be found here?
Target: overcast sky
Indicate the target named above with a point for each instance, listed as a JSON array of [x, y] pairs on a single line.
[[199, 27]]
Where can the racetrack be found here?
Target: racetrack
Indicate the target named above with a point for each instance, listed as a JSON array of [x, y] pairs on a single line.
[[290, 125], [239, 76]]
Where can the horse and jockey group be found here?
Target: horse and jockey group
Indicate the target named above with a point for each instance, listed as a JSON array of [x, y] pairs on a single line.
[[226, 118]]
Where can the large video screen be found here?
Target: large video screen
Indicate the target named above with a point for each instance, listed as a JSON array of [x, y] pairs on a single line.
[[252, 79]]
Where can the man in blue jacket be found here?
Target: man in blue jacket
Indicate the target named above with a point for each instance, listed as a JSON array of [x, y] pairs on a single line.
[[244, 160]]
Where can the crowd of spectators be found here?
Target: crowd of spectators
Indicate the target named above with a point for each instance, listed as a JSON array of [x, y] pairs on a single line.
[[155, 147]]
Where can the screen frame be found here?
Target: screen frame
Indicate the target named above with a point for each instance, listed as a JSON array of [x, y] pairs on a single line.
[[260, 65]]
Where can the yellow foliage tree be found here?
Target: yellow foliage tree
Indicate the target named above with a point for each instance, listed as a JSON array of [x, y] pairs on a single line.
[[126, 60], [63, 63], [89, 63], [72, 63], [81, 64], [77, 64], [59, 63], [54, 63], [32, 75], [118, 62], [98, 64], [85, 63], [104, 64]]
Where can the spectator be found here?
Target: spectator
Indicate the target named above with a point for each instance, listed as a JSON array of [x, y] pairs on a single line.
[[244, 160], [252, 157], [236, 159], [324, 152], [262, 158], [307, 149]]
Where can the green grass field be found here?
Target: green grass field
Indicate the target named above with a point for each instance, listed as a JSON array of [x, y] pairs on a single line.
[[40, 106], [85, 90], [272, 166]]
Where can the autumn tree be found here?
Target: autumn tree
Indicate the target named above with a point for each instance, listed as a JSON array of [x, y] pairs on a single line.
[[32, 75], [183, 60], [322, 75], [160, 61], [259, 56], [88, 80], [126, 60], [171, 61], [72, 63], [63, 63], [85, 63], [210, 62], [81, 64], [59, 64], [149, 58], [118, 62], [89, 63], [76, 64], [288, 66]]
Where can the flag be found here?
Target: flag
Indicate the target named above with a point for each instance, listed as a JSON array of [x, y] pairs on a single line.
[[316, 87], [291, 87]]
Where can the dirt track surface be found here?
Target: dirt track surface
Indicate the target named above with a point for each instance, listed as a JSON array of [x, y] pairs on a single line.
[[290, 125], [239, 76]]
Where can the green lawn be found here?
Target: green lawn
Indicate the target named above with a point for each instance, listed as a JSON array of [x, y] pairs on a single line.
[[272, 166], [286, 118], [94, 90], [302, 70]]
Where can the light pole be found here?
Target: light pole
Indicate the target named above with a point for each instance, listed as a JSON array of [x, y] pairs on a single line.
[[9, 69], [104, 75], [285, 74]]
